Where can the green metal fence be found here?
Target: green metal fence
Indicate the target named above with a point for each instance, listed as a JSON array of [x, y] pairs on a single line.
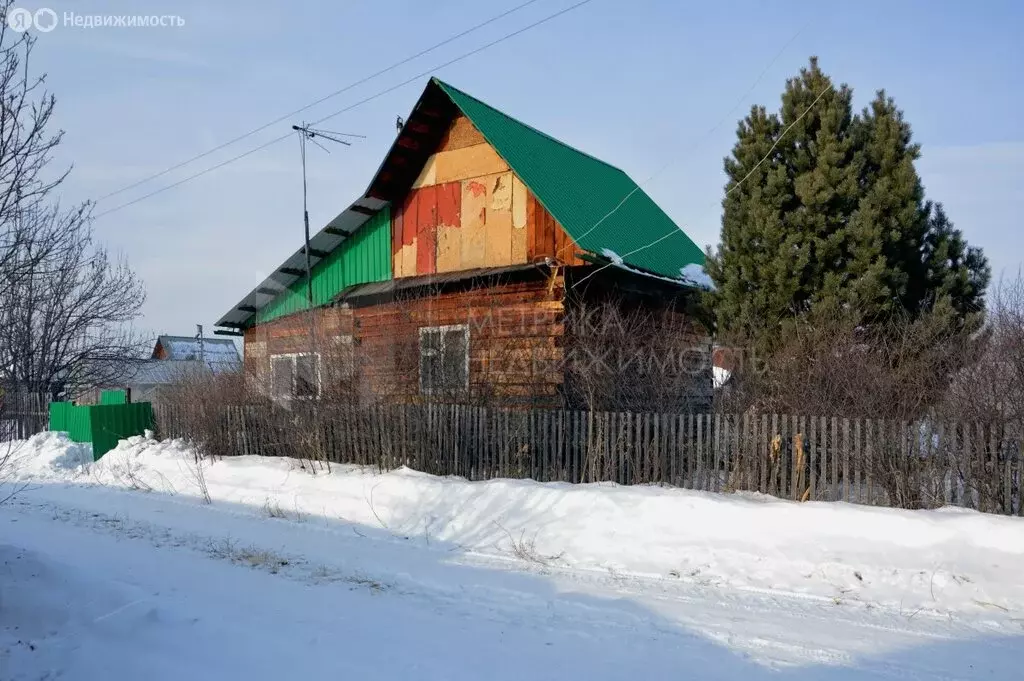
[[114, 397], [102, 425]]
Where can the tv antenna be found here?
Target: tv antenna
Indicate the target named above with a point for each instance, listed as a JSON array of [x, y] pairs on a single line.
[[307, 133]]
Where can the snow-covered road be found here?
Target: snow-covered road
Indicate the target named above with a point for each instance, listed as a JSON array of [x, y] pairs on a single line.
[[118, 570], [118, 584]]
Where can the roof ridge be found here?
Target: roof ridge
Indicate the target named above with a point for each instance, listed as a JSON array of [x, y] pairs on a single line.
[[206, 339], [448, 86]]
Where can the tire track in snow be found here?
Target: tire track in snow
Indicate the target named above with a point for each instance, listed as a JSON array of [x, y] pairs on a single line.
[[717, 622]]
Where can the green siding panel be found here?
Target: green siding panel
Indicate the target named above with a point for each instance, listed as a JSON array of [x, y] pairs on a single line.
[[600, 206], [102, 425], [114, 397], [363, 258]]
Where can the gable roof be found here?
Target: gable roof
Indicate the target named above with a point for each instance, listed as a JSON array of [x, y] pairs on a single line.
[[216, 351], [599, 206], [292, 270]]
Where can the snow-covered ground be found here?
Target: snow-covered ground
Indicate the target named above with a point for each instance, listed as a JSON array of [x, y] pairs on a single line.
[[119, 570]]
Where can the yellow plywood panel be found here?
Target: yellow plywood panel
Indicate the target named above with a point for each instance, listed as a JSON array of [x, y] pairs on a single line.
[[474, 222], [449, 248], [519, 231], [428, 176], [498, 249], [404, 261], [467, 163], [501, 193], [519, 200]]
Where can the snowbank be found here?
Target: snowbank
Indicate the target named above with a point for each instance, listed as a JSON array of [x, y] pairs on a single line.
[[47, 456], [944, 560]]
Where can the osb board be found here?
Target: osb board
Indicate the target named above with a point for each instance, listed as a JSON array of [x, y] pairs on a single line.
[[461, 133]]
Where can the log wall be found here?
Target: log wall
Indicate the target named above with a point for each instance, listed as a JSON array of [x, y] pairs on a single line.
[[515, 332]]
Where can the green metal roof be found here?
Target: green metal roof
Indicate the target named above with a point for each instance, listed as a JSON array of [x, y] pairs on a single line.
[[602, 209]]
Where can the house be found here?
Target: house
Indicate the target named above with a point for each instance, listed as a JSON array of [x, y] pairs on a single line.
[[178, 358], [465, 269]]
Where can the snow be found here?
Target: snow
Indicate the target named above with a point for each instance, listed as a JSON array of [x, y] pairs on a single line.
[[116, 569], [613, 256], [214, 350], [695, 274]]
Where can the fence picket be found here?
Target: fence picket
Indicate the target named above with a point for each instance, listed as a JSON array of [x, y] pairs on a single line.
[[846, 459], [973, 464], [813, 461], [869, 456]]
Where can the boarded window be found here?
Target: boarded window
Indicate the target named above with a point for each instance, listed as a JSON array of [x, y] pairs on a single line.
[[444, 360], [295, 376], [344, 357], [281, 379], [307, 376]]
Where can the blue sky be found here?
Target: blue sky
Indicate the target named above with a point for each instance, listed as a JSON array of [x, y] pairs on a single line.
[[649, 85]]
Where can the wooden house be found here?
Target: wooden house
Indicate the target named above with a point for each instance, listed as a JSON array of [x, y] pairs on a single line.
[[458, 270]]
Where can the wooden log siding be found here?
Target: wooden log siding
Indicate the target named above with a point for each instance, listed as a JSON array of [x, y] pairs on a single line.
[[711, 452], [514, 340]]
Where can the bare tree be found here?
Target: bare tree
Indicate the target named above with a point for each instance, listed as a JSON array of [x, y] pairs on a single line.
[[991, 390], [63, 319], [64, 302], [831, 364], [635, 358]]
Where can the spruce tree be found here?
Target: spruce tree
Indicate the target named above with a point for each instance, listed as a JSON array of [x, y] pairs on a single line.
[[835, 215]]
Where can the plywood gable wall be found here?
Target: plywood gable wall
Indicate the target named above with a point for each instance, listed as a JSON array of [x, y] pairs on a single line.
[[467, 210]]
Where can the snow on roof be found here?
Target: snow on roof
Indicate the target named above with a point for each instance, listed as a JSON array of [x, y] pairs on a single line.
[[213, 350], [694, 274], [612, 255]]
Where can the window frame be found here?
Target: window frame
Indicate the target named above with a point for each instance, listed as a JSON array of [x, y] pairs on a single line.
[[293, 358], [443, 330]]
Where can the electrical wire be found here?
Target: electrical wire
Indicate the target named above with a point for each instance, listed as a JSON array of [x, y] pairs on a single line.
[[348, 108], [727, 193], [696, 142], [323, 99]]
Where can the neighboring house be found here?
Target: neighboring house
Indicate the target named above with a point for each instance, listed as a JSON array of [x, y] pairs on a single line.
[[177, 358], [453, 273], [219, 354]]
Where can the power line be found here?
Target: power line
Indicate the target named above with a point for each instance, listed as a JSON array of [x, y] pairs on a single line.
[[347, 108], [318, 101], [729, 191], [696, 142], [463, 56]]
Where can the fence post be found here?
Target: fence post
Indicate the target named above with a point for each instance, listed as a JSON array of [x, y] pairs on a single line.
[[813, 461], [846, 459]]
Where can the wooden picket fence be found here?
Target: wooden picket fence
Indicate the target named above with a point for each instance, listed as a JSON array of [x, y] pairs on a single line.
[[867, 461], [22, 414]]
